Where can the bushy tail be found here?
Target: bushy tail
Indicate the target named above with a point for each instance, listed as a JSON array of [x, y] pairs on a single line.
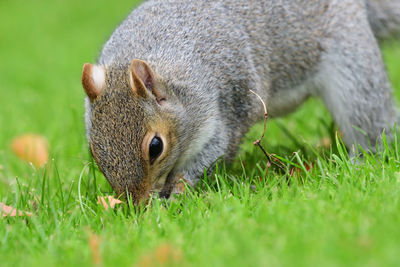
[[384, 17]]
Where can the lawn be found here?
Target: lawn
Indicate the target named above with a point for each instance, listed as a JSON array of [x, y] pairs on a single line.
[[326, 212]]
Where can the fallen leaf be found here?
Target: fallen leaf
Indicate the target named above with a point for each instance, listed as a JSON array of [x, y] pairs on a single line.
[[31, 148], [325, 142], [108, 201], [12, 212], [163, 255], [94, 244]]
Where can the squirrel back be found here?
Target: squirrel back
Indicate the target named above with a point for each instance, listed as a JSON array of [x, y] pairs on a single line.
[[170, 93]]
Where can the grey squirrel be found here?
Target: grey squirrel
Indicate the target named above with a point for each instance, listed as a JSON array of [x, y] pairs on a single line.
[[170, 92]]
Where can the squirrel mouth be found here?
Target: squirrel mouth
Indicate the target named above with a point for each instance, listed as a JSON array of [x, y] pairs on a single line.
[[167, 188], [157, 187], [162, 186], [163, 191]]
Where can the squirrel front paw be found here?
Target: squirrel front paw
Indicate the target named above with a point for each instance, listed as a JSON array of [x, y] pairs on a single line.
[[180, 185]]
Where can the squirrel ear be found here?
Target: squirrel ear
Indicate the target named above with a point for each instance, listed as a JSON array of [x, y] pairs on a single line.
[[93, 80], [143, 80]]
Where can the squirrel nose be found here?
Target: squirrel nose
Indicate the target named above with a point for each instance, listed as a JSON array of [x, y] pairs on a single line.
[[136, 190]]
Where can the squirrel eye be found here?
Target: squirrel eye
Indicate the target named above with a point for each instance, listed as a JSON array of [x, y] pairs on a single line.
[[155, 148]]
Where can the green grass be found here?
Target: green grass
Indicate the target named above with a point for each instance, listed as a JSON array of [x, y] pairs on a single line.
[[336, 214]]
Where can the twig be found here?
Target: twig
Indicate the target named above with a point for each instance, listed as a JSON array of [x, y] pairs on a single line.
[[271, 158], [265, 115]]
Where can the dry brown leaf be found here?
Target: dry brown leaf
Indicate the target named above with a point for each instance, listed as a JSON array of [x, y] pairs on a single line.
[[31, 148], [325, 142], [163, 255], [108, 201], [12, 212], [94, 244]]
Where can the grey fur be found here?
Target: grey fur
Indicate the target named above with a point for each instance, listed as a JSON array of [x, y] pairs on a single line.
[[384, 17], [209, 53]]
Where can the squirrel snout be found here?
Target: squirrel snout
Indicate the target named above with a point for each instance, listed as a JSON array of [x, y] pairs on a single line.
[[137, 192]]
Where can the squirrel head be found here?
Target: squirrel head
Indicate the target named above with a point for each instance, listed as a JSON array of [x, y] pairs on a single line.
[[133, 127]]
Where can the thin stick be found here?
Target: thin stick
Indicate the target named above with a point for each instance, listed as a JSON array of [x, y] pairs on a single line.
[[265, 115], [271, 158]]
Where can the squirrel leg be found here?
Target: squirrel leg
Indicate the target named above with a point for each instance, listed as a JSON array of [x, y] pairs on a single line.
[[354, 86]]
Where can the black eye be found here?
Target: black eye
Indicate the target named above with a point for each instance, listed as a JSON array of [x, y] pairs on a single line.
[[155, 148]]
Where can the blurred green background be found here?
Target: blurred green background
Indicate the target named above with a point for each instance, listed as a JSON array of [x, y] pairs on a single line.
[[43, 45]]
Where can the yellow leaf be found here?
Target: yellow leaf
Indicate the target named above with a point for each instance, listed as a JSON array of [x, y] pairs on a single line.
[[31, 148], [163, 255], [94, 244], [108, 201]]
